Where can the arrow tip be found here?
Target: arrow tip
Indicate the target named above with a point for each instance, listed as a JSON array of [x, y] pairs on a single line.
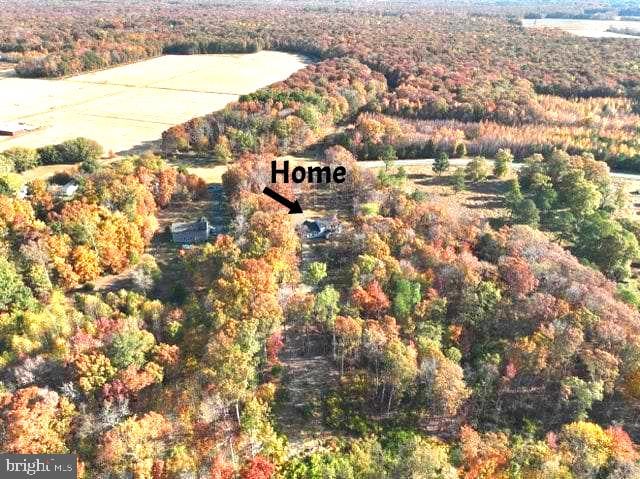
[[295, 208]]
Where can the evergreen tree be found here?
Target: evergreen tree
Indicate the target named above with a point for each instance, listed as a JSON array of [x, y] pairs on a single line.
[[526, 212], [514, 194], [441, 163], [388, 156], [458, 179]]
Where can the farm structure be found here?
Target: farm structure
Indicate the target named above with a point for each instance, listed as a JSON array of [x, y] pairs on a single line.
[[191, 232], [15, 128]]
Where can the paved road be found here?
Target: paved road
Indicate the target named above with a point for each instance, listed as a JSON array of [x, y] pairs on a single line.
[[455, 162]]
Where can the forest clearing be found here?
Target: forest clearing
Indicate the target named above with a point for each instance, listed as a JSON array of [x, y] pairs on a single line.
[[585, 28], [128, 107]]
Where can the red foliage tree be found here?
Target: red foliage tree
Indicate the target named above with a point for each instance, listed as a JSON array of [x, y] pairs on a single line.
[[274, 345], [517, 273], [371, 299], [258, 468]]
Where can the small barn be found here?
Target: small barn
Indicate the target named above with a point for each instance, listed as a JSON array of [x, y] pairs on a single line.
[[15, 128], [191, 232]]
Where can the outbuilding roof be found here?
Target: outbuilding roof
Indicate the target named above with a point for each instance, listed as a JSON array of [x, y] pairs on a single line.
[[201, 225], [15, 127]]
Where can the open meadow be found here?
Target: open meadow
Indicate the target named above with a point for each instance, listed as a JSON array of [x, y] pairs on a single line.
[[585, 28], [129, 106]]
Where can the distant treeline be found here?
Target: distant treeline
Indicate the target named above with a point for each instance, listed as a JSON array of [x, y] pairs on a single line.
[[625, 31], [242, 45], [587, 14], [203, 46], [630, 12]]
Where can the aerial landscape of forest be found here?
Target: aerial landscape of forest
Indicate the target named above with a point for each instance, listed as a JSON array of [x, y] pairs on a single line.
[[308, 240]]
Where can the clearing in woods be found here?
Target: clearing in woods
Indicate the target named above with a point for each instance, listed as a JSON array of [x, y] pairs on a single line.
[[128, 107], [584, 27], [309, 372]]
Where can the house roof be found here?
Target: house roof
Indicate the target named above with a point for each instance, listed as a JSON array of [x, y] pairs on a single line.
[[15, 127], [285, 112], [315, 225], [68, 189], [201, 225], [23, 192]]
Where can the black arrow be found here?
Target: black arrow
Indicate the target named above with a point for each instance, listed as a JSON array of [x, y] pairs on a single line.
[[294, 206]]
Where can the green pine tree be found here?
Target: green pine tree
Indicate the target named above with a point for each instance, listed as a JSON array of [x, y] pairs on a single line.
[[441, 163]]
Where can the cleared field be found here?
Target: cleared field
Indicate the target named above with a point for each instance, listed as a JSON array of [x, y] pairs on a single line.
[[128, 107], [585, 28]]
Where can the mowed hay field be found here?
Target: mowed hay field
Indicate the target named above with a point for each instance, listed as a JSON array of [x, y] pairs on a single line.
[[585, 28], [129, 106]]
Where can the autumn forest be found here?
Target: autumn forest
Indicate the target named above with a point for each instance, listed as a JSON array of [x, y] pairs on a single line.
[[422, 331]]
